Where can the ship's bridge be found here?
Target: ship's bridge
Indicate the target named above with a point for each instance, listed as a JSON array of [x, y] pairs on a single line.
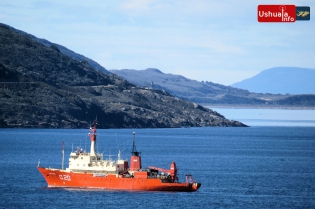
[[83, 161]]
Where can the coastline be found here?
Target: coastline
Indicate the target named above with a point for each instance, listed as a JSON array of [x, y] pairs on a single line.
[[269, 116], [223, 106]]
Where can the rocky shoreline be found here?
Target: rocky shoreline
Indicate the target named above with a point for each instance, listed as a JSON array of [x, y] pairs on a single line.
[[42, 88]]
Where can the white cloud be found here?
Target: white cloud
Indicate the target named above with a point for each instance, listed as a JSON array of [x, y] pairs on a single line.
[[136, 6], [219, 41]]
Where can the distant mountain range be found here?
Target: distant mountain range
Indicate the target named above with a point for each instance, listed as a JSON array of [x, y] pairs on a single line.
[[281, 80], [40, 87], [208, 93], [201, 92]]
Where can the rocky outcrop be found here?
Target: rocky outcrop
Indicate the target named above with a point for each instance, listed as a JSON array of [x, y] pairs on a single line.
[[41, 87]]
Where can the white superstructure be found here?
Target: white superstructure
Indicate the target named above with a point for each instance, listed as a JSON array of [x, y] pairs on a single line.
[[81, 161]]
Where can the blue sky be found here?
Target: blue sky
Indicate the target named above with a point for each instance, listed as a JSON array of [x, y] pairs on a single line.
[[218, 41]]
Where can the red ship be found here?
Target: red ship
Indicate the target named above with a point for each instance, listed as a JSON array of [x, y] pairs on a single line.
[[90, 170]]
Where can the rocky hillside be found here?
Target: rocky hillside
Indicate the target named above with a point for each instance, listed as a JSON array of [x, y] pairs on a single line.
[[182, 87], [64, 50], [209, 93], [42, 87]]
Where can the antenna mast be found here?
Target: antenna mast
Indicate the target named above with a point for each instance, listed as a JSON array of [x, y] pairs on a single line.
[[63, 154]]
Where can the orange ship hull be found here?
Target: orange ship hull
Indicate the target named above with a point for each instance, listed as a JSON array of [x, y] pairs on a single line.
[[61, 178], [90, 170]]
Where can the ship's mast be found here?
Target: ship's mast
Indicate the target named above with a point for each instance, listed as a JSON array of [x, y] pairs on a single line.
[[119, 155], [63, 154], [92, 135]]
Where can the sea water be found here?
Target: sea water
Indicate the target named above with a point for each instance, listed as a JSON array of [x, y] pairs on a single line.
[[254, 167]]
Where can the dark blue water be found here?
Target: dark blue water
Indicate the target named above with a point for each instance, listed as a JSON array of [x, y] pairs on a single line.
[[256, 167]]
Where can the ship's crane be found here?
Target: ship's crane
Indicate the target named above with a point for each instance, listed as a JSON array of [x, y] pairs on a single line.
[[172, 171]]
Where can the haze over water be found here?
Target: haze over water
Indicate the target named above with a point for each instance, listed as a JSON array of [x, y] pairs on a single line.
[[270, 117]]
